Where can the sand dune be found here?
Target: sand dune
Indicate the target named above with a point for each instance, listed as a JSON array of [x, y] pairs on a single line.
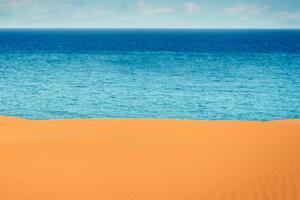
[[149, 160]]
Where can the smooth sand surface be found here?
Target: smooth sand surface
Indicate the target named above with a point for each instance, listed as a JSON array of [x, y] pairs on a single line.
[[149, 160]]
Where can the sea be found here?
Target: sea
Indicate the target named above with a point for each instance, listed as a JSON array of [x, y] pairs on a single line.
[[189, 74]]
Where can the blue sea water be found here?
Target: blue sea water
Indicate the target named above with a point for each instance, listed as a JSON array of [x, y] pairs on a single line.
[[182, 74]]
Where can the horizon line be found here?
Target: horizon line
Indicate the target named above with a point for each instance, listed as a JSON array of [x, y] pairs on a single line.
[[166, 28]]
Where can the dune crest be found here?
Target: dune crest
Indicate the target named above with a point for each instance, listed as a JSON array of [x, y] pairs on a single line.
[[149, 159]]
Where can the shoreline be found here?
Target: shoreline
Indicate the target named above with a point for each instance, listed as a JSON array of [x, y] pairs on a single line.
[[5, 117]]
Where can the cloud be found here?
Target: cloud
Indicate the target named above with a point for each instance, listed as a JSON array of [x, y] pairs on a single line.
[[191, 7], [290, 15], [17, 3], [99, 10], [150, 9], [246, 9], [8, 5]]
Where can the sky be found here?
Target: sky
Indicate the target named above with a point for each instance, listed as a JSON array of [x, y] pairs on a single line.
[[150, 13]]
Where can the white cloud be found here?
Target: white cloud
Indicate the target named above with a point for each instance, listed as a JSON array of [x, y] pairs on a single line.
[[290, 15], [8, 5], [150, 9], [17, 3], [246, 9], [191, 7], [98, 11]]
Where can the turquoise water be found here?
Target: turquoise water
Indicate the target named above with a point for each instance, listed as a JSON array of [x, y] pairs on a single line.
[[187, 74]]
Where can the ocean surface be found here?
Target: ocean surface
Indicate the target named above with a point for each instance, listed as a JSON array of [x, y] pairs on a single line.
[[181, 74]]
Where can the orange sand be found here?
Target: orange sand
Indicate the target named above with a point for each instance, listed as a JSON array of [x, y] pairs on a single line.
[[149, 160]]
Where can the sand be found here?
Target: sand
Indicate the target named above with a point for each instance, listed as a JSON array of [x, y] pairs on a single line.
[[149, 160]]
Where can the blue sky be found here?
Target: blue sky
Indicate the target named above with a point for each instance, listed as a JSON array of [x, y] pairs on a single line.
[[150, 13]]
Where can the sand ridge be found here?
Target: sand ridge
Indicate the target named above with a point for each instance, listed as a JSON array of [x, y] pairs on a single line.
[[149, 159]]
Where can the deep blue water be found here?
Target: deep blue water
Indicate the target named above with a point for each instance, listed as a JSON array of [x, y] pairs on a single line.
[[183, 74]]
